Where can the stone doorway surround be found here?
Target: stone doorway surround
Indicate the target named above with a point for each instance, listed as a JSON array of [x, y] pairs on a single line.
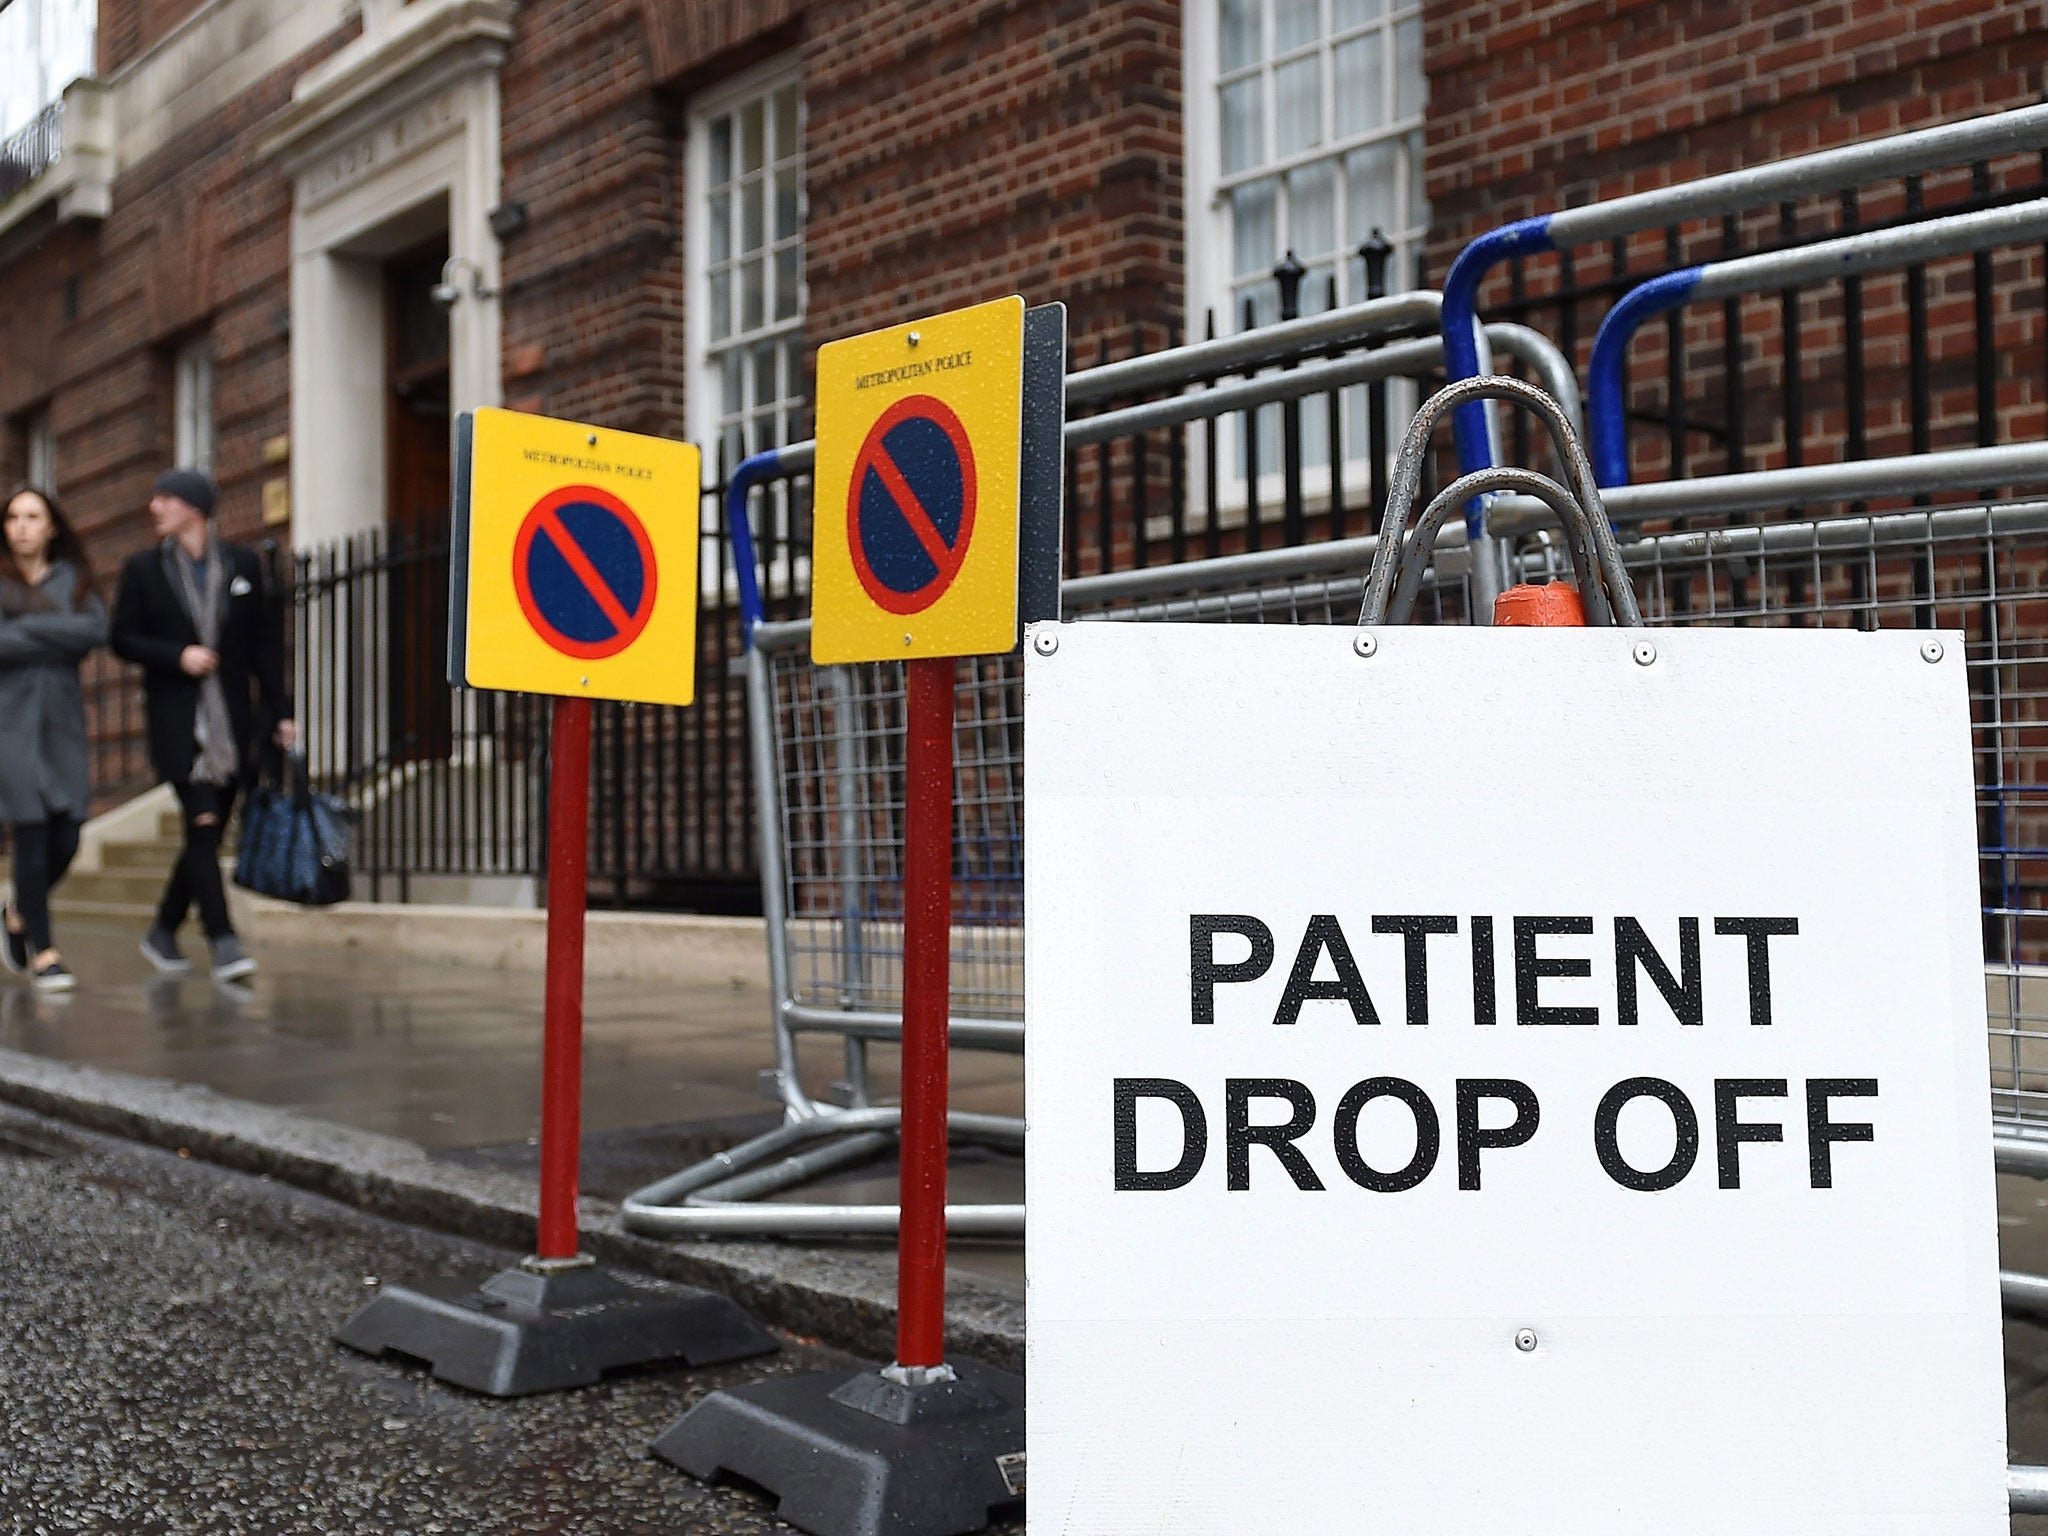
[[393, 138]]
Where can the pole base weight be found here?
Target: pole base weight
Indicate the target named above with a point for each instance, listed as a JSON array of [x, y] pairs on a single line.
[[861, 1455], [544, 1328]]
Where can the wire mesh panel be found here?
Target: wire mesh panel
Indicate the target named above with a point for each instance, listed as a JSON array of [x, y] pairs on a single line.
[[1980, 570], [838, 735], [838, 740]]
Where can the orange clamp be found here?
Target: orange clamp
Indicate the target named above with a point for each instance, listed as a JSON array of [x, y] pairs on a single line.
[[1554, 605]]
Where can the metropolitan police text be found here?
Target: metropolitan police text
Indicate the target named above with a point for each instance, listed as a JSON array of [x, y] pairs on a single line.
[[917, 370], [1539, 948]]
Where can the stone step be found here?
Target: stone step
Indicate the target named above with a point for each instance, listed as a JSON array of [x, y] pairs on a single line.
[[63, 905], [158, 854], [122, 886]]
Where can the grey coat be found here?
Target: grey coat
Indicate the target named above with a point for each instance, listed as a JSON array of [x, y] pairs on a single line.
[[43, 769]]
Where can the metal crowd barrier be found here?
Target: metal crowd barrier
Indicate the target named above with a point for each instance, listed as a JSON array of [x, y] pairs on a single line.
[[1733, 192], [1607, 383]]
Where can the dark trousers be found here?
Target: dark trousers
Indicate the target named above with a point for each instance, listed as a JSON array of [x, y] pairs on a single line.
[[43, 851], [195, 878]]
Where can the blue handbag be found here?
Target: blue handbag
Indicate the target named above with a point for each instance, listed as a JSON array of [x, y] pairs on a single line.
[[295, 843]]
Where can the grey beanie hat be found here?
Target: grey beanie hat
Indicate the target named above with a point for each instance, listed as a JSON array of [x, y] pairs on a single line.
[[187, 485]]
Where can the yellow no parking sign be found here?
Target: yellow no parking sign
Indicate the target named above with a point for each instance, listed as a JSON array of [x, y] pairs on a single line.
[[917, 477], [575, 562]]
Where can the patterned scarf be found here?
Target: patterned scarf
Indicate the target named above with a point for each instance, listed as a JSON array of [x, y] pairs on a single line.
[[214, 733]]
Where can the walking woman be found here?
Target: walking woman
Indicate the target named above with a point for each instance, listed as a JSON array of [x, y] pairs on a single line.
[[50, 617]]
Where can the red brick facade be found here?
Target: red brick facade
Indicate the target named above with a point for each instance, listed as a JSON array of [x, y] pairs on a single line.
[[959, 149]]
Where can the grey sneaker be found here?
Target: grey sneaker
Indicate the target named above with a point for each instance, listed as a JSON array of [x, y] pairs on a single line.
[[231, 962], [161, 950], [54, 978]]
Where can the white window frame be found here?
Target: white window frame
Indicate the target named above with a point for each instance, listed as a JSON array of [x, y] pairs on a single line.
[[710, 420], [192, 426], [40, 436], [1212, 282]]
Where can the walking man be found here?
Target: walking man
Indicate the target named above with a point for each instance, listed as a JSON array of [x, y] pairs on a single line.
[[191, 613]]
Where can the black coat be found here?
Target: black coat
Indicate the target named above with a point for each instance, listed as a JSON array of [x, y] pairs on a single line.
[[152, 628]]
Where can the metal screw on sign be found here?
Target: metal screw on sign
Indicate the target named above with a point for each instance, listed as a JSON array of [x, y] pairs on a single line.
[[1931, 651], [1645, 653], [1365, 644], [1046, 643], [914, 338], [1525, 1339]]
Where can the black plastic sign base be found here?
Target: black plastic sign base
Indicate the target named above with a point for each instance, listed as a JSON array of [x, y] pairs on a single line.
[[546, 1327], [862, 1455]]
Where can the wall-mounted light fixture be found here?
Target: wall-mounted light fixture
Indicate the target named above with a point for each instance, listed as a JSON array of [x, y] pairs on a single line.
[[446, 294], [507, 219]]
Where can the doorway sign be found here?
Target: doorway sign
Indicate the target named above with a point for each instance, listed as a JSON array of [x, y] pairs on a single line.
[[919, 433], [574, 569]]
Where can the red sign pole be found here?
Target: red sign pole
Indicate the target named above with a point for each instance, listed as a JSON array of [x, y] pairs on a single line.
[[927, 943], [561, 1087]]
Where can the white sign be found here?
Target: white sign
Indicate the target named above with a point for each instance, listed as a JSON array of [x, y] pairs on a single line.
[[1499, 1085]]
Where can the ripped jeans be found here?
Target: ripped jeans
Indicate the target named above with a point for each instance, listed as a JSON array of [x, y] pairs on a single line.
[[195, 878]]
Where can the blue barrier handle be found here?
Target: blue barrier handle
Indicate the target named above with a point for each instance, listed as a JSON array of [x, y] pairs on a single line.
[[1607, 384], [757, 470], [1461, 342]]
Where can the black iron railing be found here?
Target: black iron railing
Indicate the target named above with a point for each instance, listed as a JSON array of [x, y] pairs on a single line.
[[31, 149]]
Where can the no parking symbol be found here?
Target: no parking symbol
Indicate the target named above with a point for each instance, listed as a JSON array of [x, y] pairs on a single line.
[[910, 513], [584, 570]]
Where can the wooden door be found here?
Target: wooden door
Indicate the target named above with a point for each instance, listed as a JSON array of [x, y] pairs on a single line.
[[417, 500]]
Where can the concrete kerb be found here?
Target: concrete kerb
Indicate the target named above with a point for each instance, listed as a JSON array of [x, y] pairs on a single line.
[[843, 1297], [671, 948]]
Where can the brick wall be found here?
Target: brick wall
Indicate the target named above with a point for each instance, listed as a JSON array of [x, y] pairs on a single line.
[[131, 27], [198, 241], [1542, 104], [961, 150], [593, 288]]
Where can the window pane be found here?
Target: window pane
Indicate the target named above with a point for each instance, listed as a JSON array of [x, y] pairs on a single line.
[[1361, 90], [752, 275], [721, 151], [1371, 183], [1298, 102], [752, 214], [750, 137], [732, 399], [1312, 210], [765, 392], [1411, 86], [721, 226], [1296, 22], [734, 447], [793, 374], [1254, 239], [787, 277], [721, 305], [761, 432], [1264, 299], [1418, 190], [1353, 13], [786, 203], [1316, 290], [785, 123], [1244, 127], [1240, 33]]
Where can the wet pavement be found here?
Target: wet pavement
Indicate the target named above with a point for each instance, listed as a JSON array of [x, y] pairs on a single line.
[[443, 1055], [168, 1371], [448, 1056]]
